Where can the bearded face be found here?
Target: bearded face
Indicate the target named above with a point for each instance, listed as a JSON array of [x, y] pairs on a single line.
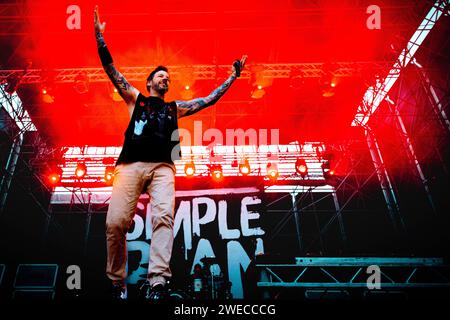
[[160, 82]]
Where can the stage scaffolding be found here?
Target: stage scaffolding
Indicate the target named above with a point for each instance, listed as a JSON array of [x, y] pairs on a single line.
[[345, 192]]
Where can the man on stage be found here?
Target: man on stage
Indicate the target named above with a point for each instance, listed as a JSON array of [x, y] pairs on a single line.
[[146, 165]]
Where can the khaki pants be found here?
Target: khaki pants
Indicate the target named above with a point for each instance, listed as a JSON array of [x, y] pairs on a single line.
[[130, 180]]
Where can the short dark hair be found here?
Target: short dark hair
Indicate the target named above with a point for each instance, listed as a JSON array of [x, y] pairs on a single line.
[[152, 74]]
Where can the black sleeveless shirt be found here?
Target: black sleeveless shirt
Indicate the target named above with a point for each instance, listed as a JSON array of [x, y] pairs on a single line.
[[148, 137]]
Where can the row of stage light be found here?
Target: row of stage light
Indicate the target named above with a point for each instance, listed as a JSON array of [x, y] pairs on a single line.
[[215, 171]]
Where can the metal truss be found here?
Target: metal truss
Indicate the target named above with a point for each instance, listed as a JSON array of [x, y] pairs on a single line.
[[19, 124], [385, 181], [435, 101], [12, 104], [376, 94], [28, 155], [200, 72], [440, 117], [348, 273], [340, 198]]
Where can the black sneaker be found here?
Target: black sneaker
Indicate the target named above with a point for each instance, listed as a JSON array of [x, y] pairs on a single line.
[[158, 292], [118, 292], [155, 292]]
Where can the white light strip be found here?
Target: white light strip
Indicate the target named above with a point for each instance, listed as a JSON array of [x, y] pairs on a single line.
[[102, 195], [17, 112], [284, 155], [373, 97]]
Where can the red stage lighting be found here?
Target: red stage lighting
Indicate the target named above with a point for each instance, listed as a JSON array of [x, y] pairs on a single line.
[[327, 171], [216, 172], [244, 167], [189, 169], [54, 176], [301, 167], [81, 170], [272, 171], [47, 95], [109, 175]]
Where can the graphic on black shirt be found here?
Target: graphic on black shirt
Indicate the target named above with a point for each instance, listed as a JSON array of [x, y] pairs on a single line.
[[139, 126], [149, 134]]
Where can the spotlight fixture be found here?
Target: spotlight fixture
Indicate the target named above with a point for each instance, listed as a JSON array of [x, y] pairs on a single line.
[[115, 95], [189, 169], [109, 175], [272, 171], [47, 95], [54, 175], [300, 167], [328, 172], [258, 81], [216, 172], [258, 93], [80, 170], [244, 167]]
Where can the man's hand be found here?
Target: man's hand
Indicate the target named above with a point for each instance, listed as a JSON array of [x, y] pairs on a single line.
[[238, 66], [99, 27], [186, 108]]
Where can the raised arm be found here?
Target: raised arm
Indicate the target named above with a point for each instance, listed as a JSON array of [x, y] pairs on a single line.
[[187, 108], [126, 91]]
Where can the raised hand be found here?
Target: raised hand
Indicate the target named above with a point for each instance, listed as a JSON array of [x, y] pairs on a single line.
[[99, 27], [238, 65]]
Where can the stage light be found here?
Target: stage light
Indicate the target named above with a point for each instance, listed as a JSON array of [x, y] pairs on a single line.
[[54, 176], [328, 81], [189, 169], [115, 95], [272, 171], [244, 167], [186, 81], [47, 97], [109, 175], [216, 172], [258, 81], [301, 167], [328, 172], [80, 170], [258, 93]]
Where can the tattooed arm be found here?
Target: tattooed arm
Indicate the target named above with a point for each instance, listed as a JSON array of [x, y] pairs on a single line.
[[187, 108], [126, 91]]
